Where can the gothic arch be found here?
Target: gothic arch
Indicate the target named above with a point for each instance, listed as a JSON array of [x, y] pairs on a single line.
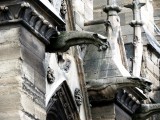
[[62, 105]]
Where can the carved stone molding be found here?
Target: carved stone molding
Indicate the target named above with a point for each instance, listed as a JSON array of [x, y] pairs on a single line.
[[50, 76], [113, 8], [135, 23], [26, 14]]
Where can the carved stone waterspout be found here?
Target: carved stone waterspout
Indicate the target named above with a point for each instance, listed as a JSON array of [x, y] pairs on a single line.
[[67, 39], [146, 111], [105, 89]]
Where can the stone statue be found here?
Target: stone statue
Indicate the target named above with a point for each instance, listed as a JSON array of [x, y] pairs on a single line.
[[105, 89], [146, 110], [67, 39]]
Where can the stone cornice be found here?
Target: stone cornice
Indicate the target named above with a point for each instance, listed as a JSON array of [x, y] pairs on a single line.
[[42, 25]]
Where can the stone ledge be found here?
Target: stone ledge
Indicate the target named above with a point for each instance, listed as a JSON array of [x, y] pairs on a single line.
[[27, 15]]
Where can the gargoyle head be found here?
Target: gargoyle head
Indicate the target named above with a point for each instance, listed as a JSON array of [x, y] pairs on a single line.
[[143, 83]]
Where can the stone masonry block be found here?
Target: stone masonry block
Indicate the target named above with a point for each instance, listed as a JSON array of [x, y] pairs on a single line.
[[156, 71], [9, 35], [88, 12], [99, 14], [10, 68], [27, 103], [150, 65], [32, 43], [40, 81], [93, 56], [78, 28], [79, 19], [9, 89], [99, 5], [151, 77], [127, 30], [89, 3], [156, 12], [10, 115], [79, 6], [103, 112], [9, 81], [128, 38], [122, 19], [10, 51], [28, 72], [154, 59], [91, 75], [33, 60], [91, 66], [9, 102], [156, 4], [101, 29], [128, 17], [40, 113]]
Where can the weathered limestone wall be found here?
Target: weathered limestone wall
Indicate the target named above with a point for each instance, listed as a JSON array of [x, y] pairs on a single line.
[[22, 87], [83, 11], [151, 71], [156, 6], [106, 112]]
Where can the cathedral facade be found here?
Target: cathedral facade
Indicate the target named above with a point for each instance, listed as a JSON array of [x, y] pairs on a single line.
[[79, 60]]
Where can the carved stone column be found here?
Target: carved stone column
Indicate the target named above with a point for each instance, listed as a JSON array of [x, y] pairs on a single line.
[[137, 38], [113, 29], [25, 30]]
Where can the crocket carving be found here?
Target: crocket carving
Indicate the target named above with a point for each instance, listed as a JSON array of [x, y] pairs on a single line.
[[105, 89]]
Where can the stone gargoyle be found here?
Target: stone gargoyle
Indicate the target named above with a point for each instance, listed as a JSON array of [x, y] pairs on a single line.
[[105, 89], [146, 110], [65, 40]]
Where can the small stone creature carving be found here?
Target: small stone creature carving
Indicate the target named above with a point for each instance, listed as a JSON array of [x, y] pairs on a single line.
[[50, 76], [67, 39], [105, 89], [78, 97]]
